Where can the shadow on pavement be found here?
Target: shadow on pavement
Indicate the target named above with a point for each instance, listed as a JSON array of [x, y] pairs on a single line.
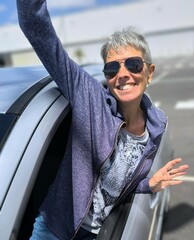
[[178, 216]]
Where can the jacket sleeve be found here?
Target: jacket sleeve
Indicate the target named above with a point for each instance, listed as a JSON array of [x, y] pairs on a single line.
[[143, 186], [35, 22]]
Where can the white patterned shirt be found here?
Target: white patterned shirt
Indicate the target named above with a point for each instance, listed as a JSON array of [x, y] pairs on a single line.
[[115, 175]]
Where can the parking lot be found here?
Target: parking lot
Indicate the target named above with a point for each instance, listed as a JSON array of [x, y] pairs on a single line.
[[172, 90]]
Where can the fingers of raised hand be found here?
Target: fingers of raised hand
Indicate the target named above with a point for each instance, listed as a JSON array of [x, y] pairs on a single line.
[[181, 170], [172, 163], [166, 176]]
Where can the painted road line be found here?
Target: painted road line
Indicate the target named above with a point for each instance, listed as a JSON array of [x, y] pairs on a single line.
[[189, 104], [185, 178], [179, 65], [159, 78], [191, 65]]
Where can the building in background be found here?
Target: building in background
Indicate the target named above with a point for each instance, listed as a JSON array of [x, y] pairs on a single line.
[[167, 24]]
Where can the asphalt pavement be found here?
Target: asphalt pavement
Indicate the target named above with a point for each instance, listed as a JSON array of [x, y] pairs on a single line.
[[172, 90]]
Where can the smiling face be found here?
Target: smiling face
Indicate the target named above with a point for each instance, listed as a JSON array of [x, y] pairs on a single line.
[[128, 87]]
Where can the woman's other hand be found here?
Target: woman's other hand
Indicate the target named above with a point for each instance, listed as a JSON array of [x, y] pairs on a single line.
[[166, 176]]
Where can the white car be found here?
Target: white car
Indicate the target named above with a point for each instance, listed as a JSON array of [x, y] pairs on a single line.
[[34, 117]]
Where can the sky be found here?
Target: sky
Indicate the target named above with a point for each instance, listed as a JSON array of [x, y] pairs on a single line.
[[8, 13]]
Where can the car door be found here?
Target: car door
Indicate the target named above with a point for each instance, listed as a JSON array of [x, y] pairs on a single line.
[[23, 151]]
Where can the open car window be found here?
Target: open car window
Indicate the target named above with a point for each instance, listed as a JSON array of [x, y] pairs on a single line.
[[47, 173]]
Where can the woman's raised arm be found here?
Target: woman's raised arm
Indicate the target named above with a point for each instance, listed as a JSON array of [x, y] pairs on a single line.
[[35, 22]]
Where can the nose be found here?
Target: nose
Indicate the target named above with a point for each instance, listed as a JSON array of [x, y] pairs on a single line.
[[123, 72]]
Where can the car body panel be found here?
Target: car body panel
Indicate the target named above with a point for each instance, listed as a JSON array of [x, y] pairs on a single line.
[[28, 168], [15, 81], [14, 149]]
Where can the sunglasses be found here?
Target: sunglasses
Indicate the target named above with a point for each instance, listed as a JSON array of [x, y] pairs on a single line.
[[132, 64]]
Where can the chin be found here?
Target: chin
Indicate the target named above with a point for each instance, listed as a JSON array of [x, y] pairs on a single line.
[[129, 98]]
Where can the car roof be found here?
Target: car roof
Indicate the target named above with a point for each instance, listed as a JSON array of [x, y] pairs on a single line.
[[15, 81]]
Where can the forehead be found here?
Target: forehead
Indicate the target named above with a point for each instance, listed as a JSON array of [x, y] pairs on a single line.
[[123, 53]]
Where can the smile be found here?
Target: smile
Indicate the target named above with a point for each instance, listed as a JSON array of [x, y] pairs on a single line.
[[126, 86]]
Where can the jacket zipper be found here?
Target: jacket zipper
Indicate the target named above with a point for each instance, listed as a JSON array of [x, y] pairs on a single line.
[[90, 202]]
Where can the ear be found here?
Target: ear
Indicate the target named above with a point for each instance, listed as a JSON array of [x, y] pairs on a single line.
[[150, 73]]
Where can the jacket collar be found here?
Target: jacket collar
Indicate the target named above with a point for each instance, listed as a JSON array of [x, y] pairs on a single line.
[[156, 120]]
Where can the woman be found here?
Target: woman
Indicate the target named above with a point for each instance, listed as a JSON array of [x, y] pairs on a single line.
[[115, 133]]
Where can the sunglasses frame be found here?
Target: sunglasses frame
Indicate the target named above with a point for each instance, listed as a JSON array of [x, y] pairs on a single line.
[[123, 61]]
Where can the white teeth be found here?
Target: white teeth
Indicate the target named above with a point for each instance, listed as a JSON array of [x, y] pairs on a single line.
[[125, 87]]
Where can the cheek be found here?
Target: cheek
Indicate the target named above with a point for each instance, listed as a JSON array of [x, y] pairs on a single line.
[[145, 77], [110, 83], [146, 74]]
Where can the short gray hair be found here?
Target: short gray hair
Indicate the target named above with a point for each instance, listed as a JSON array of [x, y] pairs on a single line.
[[124, 38]]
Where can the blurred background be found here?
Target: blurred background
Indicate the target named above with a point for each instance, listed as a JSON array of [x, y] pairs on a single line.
[[83, 25], [168, 26]]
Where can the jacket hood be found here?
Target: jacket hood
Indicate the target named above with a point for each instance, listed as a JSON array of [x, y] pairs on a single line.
[[156, 119]]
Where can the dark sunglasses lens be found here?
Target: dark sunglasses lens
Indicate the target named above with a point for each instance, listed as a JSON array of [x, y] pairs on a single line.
[[111, 69], [134, 64]]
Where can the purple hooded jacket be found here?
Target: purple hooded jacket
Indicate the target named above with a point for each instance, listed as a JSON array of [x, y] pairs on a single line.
[[94, 129]]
